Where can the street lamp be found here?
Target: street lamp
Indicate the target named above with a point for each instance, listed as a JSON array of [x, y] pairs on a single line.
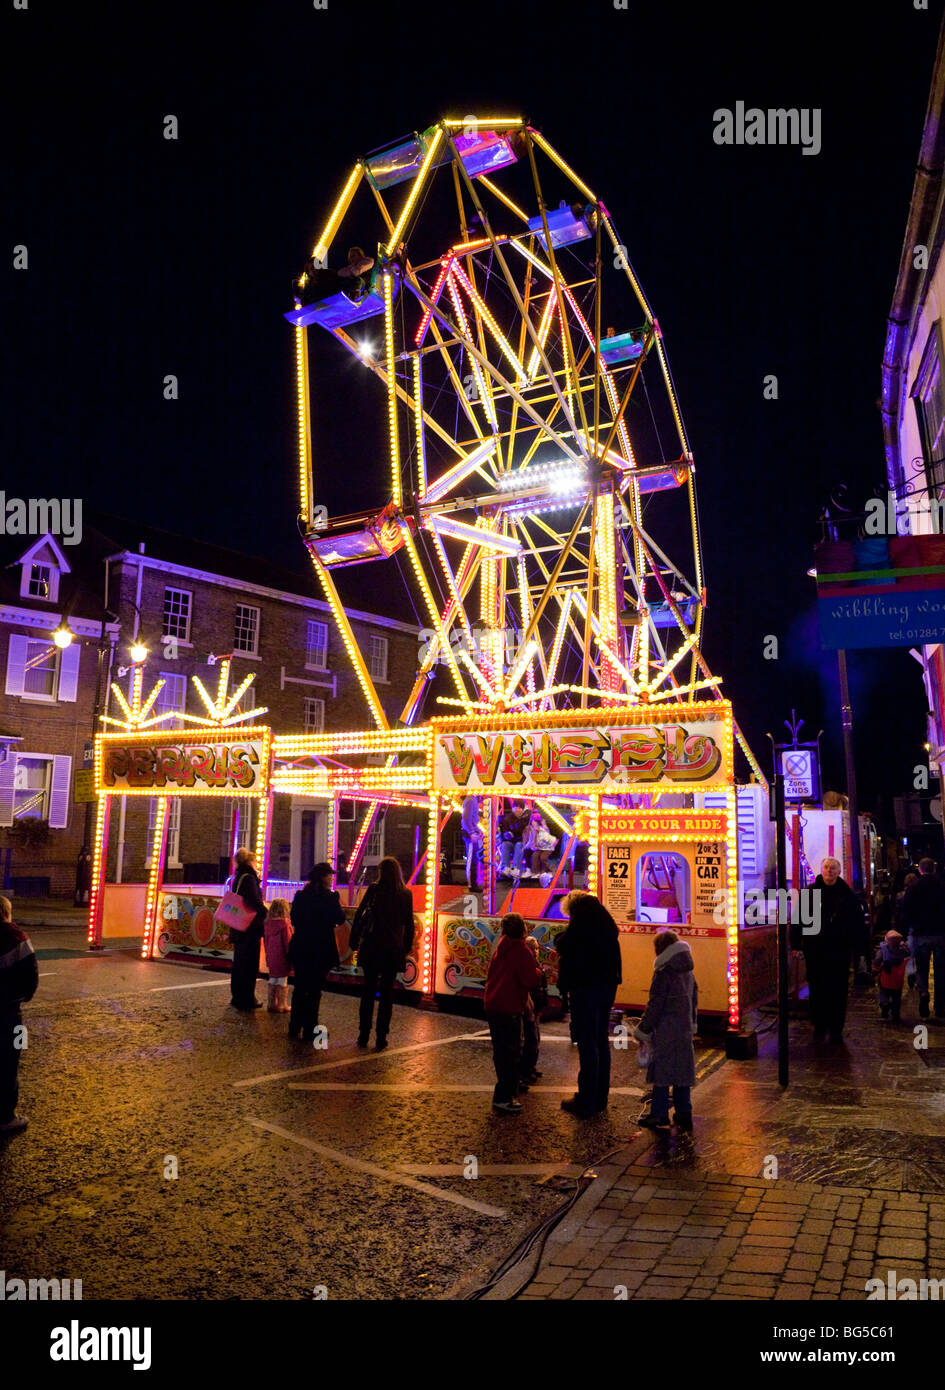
[[63, 635], [139, 652]]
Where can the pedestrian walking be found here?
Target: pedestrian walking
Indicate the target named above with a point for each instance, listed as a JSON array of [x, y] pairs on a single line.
[[19, 978], [382, 935], [589, 972], [889, 964], [313, 950], [277, 935], [246, 943], [669, 1024], [828, 950], [513, 972], [922, 914]]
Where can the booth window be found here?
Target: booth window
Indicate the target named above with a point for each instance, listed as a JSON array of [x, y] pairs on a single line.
[[663, 891], [177, 605], [316, 646], [245, 834]]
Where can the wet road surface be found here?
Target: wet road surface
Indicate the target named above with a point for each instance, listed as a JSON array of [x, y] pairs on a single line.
[[297, 1169]]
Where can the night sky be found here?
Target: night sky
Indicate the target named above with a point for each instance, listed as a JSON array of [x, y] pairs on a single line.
[[149, 257]]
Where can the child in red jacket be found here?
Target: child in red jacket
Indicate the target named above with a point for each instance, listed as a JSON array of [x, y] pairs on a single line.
[[513, 972], [890, 965]]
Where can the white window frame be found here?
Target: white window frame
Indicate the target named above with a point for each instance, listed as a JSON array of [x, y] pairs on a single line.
[[160, 704], [27, 579], [246, 824], [319, 726], [172, 589], [246, 651], [172, 859], [59, 770], [372, 638], [314, 665], [33, 696]]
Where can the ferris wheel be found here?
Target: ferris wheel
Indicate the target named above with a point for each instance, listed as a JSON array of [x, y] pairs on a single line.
[[540, 490]]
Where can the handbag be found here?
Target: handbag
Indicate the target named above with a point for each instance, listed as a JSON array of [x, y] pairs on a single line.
[[363, 922], [644, 1055], [233, 912]]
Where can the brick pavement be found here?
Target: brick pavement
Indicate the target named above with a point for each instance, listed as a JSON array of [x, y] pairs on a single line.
[[857, 1143]]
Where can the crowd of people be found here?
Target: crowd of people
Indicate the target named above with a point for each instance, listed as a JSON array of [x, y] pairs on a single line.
[[300, 940]]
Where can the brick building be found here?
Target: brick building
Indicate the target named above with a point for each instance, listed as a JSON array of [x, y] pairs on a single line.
[[189, 603]]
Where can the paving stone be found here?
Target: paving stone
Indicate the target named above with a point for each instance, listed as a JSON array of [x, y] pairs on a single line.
[[814, 1245], [700, 1232], [804, 1261], [793, 1292], [760, 1227], [917, 1220], [833, 1269], [772, 1263], [901, 1248], [814, 1226], [639, 1250], [690, 1249]]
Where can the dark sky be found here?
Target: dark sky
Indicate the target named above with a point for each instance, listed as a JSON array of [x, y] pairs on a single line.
[[149, 257]]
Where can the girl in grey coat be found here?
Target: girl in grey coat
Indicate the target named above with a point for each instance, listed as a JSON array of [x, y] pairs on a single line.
[[669, 1024]]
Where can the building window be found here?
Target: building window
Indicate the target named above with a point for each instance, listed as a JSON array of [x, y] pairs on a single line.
[[316, 646], [173, 696], [177, 606], [31, 787], [38, 670], [244, 834], [246, 632], [172, 855], [247, 701], [314, 715], [39, 584], [929, 396], [377, 658], [374, 845], [42, 664], [36, 786], [346, 810]]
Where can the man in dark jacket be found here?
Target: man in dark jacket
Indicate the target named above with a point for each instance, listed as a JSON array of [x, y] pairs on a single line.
[[246, 943], [589, 971], [313, 951], [922, 916], [19, 978], [828, 950]]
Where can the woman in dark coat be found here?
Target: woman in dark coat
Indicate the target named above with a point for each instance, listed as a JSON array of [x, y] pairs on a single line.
[[382, 935], [313, 952], [589, 972], [828, 950], [669, 1024], [246, 943]]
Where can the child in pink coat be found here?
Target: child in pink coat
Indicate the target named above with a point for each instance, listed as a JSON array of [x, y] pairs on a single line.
[[278, 934]]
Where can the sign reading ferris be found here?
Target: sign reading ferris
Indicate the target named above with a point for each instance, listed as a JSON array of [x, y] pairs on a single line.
[[610, 756], [227, 767]]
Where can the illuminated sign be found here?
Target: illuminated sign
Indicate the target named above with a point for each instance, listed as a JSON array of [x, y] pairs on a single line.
[[609, 756], [175, 764], [656, 822]]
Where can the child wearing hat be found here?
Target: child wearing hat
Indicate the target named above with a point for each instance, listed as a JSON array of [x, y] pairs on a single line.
[[889, 964]]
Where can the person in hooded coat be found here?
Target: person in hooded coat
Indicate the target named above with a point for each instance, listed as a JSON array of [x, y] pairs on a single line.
[[313, 951], [588, 973], [828, 950], [668, 1025]]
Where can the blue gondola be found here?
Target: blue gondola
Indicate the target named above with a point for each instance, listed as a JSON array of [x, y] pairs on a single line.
[[625, 347], [564, 227], [337, 311], [661, 614]]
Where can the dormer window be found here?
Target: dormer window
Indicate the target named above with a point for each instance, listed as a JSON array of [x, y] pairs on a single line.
[[40, 582], [41, 569]]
